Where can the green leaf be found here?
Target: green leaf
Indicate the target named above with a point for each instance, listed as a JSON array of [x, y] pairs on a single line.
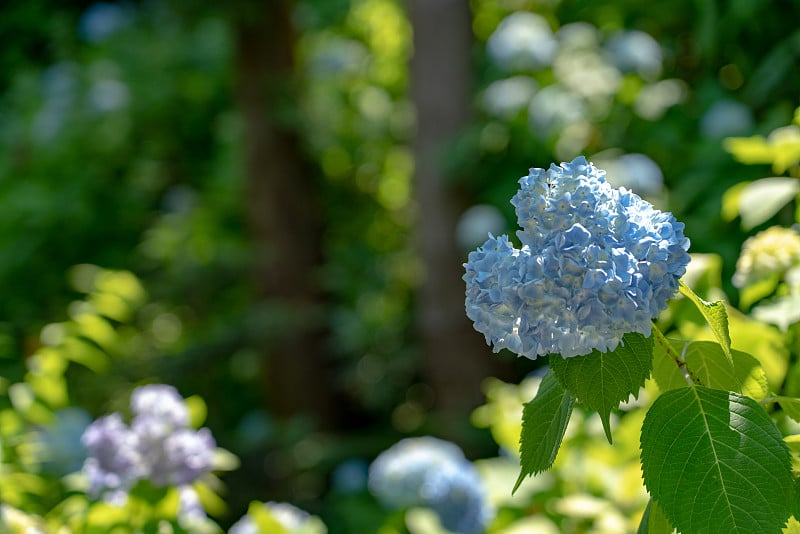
[[709, 363], [785, 148], [796, 503], [790, 406], [764, 342], [600, 381], [715, 315], [654, 521], [761, 200], [710, 367], [792, 526], [264, 520], [715, 462], [544, 421], [758, 290], [731, 200], [749, 150]]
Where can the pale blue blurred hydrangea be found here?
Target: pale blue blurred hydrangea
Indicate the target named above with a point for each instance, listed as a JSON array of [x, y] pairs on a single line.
[[635, 51], [433, 473], [103, 19], [595, 263], [726, 118], [158, 446]]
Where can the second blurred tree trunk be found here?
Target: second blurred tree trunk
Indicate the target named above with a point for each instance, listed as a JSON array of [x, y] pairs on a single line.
[[282, 213], [441, 85]]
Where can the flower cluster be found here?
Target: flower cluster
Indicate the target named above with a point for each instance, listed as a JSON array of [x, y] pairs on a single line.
[[158, 446], [433, 473], [292, 519], [595, 263], [770, 252]]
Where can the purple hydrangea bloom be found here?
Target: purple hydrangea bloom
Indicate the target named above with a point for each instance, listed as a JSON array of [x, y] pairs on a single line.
[[434, 473], [187, 454], [114, 461], [162, 402], [595, 263], [158, 446]]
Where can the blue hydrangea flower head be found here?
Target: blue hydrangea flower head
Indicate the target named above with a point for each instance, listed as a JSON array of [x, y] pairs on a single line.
[[595, 263], [434, 473]]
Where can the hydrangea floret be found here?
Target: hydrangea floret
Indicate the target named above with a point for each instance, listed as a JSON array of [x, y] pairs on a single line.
[[595, 263], [433, 473]]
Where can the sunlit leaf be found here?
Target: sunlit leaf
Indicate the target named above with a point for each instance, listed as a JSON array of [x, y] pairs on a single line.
[[600, 381], [715, 315], [197, 410], [790, 406], [654, 521], [785, 148], [749, 150], [264, 520], [762, 199], [715, 462], [757, 290], [544, 421], [731, 200], [792, 526], [710, 365]]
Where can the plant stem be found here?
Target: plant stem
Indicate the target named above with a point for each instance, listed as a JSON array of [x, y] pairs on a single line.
[[659, 338]]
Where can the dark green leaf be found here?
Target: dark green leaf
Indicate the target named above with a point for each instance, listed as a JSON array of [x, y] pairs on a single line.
[[600, 381], [715, 462], [796, 504], [544, 420]]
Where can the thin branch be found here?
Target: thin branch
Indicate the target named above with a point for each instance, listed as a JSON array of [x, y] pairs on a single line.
[[673, 354]]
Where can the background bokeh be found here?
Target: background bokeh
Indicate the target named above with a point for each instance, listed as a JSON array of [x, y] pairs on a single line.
[[266, 203]]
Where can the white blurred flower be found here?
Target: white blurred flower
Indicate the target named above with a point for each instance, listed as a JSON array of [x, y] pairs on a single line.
[[553, 107], [585, 72], [506, 97], [522, 41], [578, 36], [654, 99]]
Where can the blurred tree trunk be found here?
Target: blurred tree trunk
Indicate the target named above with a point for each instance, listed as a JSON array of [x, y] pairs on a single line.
[[282, 213], [441, 83]]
